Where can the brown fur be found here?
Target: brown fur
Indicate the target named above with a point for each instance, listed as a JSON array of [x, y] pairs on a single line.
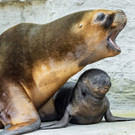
[[38, 59]]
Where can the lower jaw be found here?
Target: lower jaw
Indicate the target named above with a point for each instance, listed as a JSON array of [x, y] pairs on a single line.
[[113, 48], [99, 96]]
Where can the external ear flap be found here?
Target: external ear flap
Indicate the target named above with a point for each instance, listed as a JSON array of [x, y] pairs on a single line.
[[84, 79], [82, 83], [81, 88]]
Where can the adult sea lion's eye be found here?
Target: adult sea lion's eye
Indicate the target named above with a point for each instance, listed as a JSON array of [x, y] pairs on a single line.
[[100, 17]]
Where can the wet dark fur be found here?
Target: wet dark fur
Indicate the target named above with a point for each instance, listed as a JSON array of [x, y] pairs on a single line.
[[79, 103], [70, 91], [63, 98]]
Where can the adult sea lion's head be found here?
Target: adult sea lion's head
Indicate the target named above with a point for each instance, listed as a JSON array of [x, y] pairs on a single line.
[[99, 28]]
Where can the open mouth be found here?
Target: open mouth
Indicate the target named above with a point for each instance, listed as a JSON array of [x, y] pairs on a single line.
[[112, 38]]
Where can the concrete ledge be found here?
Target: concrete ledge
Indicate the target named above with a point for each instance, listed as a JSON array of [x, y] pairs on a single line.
[[102, 128]]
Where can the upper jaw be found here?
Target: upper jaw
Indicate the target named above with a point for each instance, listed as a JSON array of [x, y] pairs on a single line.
[[118, 24], [111, 40]]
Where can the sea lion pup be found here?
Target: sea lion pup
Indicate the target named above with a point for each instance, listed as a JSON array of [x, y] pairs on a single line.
[[36, 60], [86, 103]]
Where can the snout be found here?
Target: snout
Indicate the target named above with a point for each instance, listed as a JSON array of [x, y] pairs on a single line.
[[108, 83], [105, 82], [105, 85], [120, 19]]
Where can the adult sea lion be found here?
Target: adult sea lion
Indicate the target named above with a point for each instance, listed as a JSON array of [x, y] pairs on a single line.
[[36, 60], [82, 103]]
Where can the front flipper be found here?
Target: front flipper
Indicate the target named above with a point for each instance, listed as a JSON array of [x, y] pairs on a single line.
[[60, 124], [110, 118], [19, 115], [21, 128]]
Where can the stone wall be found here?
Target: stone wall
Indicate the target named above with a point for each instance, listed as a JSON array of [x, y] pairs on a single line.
[[121, 68]]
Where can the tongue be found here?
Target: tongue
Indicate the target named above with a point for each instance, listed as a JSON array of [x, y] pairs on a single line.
[[114, 44]]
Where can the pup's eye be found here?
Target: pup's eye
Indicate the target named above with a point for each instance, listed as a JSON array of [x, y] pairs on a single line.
[[100, 17], [84, 94]]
